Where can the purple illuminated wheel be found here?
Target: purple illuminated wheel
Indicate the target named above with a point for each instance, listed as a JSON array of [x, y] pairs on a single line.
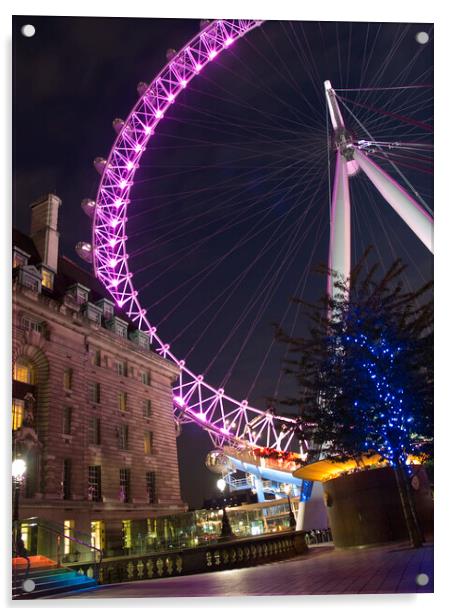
[[226, 419], [302, 140]]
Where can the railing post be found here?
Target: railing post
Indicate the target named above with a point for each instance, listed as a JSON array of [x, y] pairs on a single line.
[[58, 550]]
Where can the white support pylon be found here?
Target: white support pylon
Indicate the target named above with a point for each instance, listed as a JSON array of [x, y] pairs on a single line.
[[419, 221], [339, 259], [340, 236]]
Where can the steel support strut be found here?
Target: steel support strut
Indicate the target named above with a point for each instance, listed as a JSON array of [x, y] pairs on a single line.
[[419, 221]]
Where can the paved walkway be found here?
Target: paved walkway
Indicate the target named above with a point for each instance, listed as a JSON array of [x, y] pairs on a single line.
[[324, 570]]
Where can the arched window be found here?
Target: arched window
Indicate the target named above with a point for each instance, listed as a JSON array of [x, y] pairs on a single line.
[[24, 371]]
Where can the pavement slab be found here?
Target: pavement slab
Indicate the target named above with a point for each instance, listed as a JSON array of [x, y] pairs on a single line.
[[323, 570]]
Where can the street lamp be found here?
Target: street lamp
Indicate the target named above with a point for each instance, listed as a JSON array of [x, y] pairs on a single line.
[[19, 469], [226, 530], [292, 521]]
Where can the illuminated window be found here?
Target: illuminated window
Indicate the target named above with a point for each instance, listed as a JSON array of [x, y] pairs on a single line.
[[24, 372], [147, 408], [47, 278], [126, 534], [67, 379], [18, 413], [69, 531], [20, 258], [122, 401], [147, 443], [98, 534], [25, 532]]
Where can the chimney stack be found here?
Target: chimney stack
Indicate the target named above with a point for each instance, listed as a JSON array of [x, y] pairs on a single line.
[[44, 229]]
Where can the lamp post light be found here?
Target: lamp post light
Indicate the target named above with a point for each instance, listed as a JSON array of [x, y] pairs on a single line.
[[19, 469], [292, 521], [226, 530]]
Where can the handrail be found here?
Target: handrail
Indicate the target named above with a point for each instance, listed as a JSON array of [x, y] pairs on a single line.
[[60, 534]]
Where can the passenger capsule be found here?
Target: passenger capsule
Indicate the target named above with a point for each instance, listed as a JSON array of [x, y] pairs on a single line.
[[84, 251], [118, 123], [88, 206], [99, 164], [142, 87], [170, 53]]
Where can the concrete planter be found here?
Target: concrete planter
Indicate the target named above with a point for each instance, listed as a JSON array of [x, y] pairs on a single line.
[[364, 508]]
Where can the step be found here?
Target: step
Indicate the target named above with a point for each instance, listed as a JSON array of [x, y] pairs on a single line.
[[44, 579], [76, 584], [35, 561]]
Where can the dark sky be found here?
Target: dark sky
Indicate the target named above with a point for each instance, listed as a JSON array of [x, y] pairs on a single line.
[[230, 207]]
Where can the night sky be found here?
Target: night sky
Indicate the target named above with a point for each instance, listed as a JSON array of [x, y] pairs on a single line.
[[229, 213]]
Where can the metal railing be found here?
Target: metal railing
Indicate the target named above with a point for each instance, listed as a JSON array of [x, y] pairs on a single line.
[[52, 541]]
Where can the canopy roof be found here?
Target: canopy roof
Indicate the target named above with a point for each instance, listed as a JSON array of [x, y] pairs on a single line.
[[324, 470]]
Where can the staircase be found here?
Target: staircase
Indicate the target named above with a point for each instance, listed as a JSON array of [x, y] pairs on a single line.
[[49, 579]]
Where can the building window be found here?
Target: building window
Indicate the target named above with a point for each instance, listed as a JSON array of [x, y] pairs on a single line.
[[94, 483], [98, 534], [117, 325], [107, 308], [94, 393], [122, 401], [24, 372], [126, 534], [47, 278], [18, 413], [147, 408], [121, 368], [67, 379], [67, 476], [94, 431], [30, 324], [92, 312], [67, 420], [68, 530], [124, 485], [123, 436], [30, 277], [140, 338], [78, 293], [151, 487], [20, 258], [146, 377], [148, 443], [96, 358]]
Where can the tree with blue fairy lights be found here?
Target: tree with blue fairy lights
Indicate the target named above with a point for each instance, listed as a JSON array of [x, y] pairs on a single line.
[[365, 373]]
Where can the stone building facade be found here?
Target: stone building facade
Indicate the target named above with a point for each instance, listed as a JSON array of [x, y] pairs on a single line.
[[92, 403]]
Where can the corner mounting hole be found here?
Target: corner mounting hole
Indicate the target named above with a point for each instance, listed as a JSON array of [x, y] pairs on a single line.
[[422, 579], [422, 38], [28, 30]]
